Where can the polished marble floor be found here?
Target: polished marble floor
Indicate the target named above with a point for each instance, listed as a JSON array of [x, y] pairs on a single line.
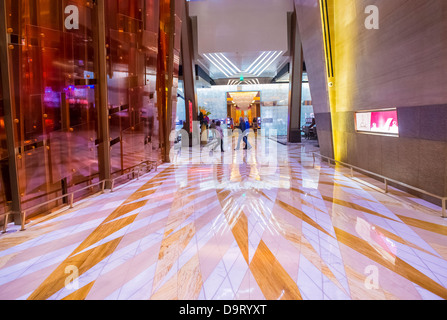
[[240, 229]]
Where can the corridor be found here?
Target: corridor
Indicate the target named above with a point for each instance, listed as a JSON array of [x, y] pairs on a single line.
[[236, 230]]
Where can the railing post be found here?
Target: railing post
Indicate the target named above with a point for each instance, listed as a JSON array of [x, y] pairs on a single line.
[[444, 207], [22, 220], [352, 172], [386, 186], [112, 186], [5, 226], [71, 200]]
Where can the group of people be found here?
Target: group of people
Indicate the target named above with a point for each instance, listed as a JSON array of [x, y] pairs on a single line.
[[217, 126], [244, 126]]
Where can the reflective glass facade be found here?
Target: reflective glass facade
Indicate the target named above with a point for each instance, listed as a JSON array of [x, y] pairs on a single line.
[[55, 88], [132, 31], [4, 172], [54, 98]]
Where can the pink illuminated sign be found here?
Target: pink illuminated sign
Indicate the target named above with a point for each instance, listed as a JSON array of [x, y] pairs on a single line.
[[382, 122]]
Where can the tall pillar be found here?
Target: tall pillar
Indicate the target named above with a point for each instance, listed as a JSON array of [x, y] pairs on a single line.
[[5, 47], [102, 97], [296, 79], [309, 18], [187, 52], [169, 46]]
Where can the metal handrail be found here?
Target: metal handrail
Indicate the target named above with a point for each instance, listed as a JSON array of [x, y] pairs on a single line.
[[137, 169], [386, 181]]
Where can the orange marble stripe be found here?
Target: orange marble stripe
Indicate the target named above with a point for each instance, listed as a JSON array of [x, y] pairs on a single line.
[[240, 233], [400, 267], [140, 194], [170, 250], [103, 231], [186, 285], [125, 209], [303, 201], [429, 226], [337, 185], [301, 215], [80, 294], [396, 238], [354, 206], [309, 252], [84, 262], [302, 192], [222, 195], [274, 281]]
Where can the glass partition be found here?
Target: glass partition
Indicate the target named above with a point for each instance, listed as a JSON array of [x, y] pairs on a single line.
[[132, 39], [274, 100], [5, 193], [54, 97]]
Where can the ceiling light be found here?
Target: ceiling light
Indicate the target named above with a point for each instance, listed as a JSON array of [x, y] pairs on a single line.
[[237, 69], [227, 66], [227, 72], [263, 61], [260, 57], [217, 66], [269, 64]]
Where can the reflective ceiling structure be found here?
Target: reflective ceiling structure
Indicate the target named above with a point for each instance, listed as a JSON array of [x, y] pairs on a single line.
[[241, 41]]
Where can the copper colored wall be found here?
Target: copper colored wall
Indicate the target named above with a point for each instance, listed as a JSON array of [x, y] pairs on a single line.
[[55, 94], [4, 166], [53, 97]]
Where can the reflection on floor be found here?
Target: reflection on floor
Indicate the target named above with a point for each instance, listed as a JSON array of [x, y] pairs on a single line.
[[237, 230]]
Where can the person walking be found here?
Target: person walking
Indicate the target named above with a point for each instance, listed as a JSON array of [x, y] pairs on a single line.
[[241, 134], [246, 132], [213, 129]]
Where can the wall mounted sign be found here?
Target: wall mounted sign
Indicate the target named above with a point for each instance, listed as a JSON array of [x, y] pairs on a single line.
[[378, 122]]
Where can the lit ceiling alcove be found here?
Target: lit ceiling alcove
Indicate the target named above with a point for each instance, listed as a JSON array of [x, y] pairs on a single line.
[[241, 41]]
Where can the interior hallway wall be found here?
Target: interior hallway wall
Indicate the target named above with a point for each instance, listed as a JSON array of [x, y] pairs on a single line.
[[401, 65]]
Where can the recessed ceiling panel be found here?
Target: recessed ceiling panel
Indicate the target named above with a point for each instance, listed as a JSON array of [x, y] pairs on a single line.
[[241, 25]]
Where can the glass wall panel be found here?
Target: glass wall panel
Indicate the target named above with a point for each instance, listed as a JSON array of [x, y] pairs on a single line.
[[181, 106], [307, 110], [274, 103], [132, 39], [5, 193], [54, 95]]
